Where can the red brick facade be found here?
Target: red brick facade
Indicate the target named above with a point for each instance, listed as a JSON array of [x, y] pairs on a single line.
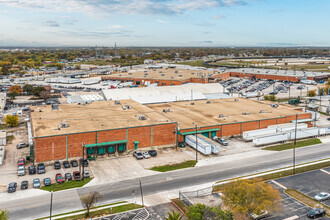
[[265, 76]]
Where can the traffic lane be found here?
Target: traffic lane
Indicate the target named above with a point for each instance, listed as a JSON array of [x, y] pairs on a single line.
[[310, 183], [327, 169]]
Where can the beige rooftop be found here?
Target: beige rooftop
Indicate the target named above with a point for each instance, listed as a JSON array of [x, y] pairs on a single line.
[[207, 114], [165, 74], [95, 116]]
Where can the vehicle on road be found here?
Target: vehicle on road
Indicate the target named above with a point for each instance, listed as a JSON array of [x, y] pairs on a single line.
[[41, 168], [138, 155], [316, 213], [84, 162], [21, 170], [12, 187], [32, 169], [152, 153], [21, 162], [146, 155], [86, 174], [68, 177], [74, 163], [76, 175], [22, 145], [47, 182], [59, 178], [24, 184], [322, 196], [66, 164], [57, 165], [36, 183]]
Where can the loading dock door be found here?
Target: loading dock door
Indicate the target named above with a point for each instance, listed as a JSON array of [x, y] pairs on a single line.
[[101, 150], [213, 134], [206, 134], [112, 149], [90, 151], [121, 148]]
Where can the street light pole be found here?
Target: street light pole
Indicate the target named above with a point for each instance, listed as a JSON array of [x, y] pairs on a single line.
[[51, 205], [196, 143], [82, 162], [141, 193], [295, 143]]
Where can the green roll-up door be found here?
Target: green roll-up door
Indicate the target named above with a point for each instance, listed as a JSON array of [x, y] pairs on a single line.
[[121, 147], [213, 134], [112, 149], [90, 151], [101, 150], [206, 134]]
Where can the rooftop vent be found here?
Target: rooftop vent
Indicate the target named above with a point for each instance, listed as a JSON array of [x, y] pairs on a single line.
[[244, 113], [176, 72], [221, 116], [117, 102], [166, 110], [236, 100], [142, 117], [192, 103], [180, 75], [64, 124], [262, 111], [40, 110], [274, 105], [54, 106], [130, 73], [126, 107], [162, 74], [208, 102]]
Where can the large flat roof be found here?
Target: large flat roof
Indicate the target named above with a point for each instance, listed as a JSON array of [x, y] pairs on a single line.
[[165, 74], [207, 114], [95, 116]]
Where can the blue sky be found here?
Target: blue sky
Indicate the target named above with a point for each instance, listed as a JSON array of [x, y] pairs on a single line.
[[165, 22]]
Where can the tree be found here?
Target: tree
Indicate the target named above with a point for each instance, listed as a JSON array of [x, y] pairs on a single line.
[[250, 196], [90, 200], [37, 90], [15, 88], [4, 214], [77, 67], [44, 95], [28, 89], [11, 120], [13, 95], [200, 212], [311, 93], [174, 216]]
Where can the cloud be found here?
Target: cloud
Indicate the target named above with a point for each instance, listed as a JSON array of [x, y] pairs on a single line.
[[202, 42], [218, 17], [110, 7], [162, 21], [51, 23]]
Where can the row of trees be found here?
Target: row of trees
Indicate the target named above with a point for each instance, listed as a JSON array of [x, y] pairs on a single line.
[[27, 89]]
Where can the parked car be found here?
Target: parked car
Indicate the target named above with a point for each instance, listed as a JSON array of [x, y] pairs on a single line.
[[47, 182], [84, 162], [32, 169], [41, 168], [76, 175], [22, 145], [66, 164], [262, 215], [138, 155], [316, 213], [68, 176], [12, 187], [146, 155], [74, 163], [328, 119], [21, 162], [21, 170], [36, 183], [322, 196], [57, 165], [59, 178], [24, 184], [222, 142], [152, 153], [86, 174]]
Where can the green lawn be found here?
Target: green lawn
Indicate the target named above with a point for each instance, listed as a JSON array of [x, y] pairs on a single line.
[[102, 212], [66, 185], [165, 168], [193, 63], [291, 145]]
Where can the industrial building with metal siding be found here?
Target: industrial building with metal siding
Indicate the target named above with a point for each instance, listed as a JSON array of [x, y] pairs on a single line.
[[107, 127]]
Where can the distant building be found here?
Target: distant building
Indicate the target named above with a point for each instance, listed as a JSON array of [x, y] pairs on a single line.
[[3, 97]]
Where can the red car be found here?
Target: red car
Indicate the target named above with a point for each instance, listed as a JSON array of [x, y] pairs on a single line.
[[21, 162], [59, 178], [76, 175]]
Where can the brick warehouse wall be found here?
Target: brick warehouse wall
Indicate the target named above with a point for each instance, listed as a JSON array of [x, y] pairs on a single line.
[[63, 146]]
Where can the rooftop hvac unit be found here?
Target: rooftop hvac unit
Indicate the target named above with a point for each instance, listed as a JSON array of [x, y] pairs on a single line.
[[130, 73], [192, 73], [274, 105], [142, 117], [54, 106], [180, 75], [162, 74], [236, 100], [64, 124], [124, 107], [176, 72], [262, 111], [208, 102], [166, 110], [244, 113], [117, 102], [192, 103], [221, 116]]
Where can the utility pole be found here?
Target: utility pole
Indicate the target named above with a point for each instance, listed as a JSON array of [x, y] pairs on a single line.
[[196, 144], [82, 161], [289, 92], [295, 143], [51, 205], [141, 193]]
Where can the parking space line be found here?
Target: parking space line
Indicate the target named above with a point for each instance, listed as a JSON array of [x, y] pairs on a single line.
[[292, 217], [280, 185], [325, 171]]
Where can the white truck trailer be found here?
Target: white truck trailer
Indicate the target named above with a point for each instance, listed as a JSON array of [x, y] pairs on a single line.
[[249, 135], [270, 139], [202, 146], [305, 133], [215, 146], [252, 94]]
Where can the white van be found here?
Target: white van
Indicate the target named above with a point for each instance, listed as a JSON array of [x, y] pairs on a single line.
[[19, 112]]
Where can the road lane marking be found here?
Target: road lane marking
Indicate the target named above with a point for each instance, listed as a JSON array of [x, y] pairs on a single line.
[[325, 171], [280, 185], [292, 217]]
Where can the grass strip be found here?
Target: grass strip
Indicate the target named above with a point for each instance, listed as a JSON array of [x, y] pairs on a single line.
[[279, 174], [66, 185], [176, 166], [67, 213], [180, 204], [102, 212], [288, 146], [307, 200]]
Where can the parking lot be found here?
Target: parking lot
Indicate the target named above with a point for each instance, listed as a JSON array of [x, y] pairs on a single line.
[[310, 183]]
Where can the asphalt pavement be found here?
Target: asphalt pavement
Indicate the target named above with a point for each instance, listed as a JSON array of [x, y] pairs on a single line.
[[68, 200]]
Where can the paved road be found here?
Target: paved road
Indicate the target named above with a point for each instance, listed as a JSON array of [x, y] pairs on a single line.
[[69, 200]]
